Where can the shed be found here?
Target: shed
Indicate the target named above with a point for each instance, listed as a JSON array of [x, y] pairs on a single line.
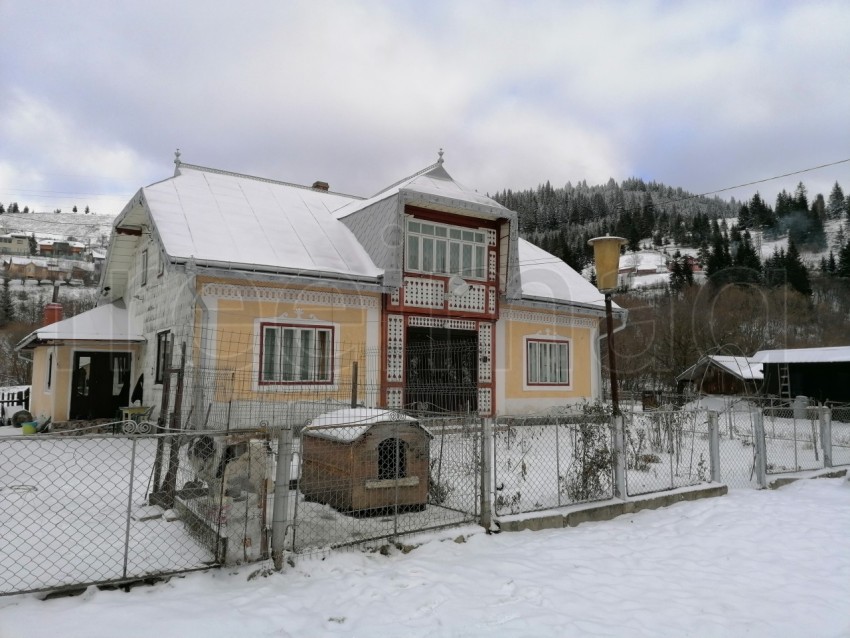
[[819, 373], [719, 374], [365, 460]]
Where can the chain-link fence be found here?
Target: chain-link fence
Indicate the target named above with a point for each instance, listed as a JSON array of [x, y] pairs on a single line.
[[546, 462], [840, 434], [369, 479], [666, 449], [76, 510], [791, 437]]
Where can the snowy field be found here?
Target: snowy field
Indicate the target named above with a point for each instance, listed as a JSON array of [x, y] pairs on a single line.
[[754, 563]]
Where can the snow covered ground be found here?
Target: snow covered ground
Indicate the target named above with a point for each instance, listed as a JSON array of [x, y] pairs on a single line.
[[754, 563]]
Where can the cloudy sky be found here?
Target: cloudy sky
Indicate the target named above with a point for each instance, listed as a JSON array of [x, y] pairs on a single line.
[[96, 96]]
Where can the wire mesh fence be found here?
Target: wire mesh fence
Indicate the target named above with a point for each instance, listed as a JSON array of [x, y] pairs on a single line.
[[367, 480], [545, 462], [840, 435], [792, 439], [87, 509], [666, 449]]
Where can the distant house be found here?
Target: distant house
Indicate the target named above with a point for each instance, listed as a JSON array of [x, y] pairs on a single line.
[[822, 374], [278, 288], [57, 248], [717, 374], [14, 244], [43, 269]]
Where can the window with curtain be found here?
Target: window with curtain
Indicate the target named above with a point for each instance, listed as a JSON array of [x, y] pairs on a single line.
[[296, 354], [547, 362]]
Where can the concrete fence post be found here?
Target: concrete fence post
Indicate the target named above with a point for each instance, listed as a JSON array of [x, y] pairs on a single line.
[[618, 438], [760, 449], [714, 445], [486, 473], [825, 419], [280, 512]]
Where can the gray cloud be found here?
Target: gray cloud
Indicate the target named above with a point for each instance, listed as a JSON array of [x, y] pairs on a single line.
[[95, 96]]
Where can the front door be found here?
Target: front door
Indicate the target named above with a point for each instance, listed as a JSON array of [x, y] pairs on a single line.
[[100, 384], [441, 370]]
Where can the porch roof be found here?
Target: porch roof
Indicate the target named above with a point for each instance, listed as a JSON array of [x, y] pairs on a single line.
[[110, 322]]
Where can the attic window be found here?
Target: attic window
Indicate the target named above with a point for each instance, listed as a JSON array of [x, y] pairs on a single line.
[[446, 250], [144, 268]]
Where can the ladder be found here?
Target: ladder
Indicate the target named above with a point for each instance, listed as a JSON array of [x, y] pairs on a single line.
[[784, 382]]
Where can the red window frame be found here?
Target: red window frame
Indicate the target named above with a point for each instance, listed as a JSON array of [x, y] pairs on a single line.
[[261, 380]]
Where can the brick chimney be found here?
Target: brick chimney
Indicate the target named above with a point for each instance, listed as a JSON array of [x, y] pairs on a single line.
[[321, 186], [53, 310]]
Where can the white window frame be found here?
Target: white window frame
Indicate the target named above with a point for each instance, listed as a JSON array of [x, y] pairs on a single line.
[[559, 366], [294, 331], [144, 268], [422, 249]]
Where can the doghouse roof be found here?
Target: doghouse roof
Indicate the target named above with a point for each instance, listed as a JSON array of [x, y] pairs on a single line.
[[349, 424]]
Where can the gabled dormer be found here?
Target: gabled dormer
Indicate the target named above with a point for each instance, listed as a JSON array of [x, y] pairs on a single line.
[[444, 248]]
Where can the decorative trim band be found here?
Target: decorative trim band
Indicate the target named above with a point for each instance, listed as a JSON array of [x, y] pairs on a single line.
[[553, 319], [314, 297]]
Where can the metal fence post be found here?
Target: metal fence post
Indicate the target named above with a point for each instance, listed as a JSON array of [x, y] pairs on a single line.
[[825, 419], [619, 457], [486, 472], [280, 513], [760, 448], [714, 445]]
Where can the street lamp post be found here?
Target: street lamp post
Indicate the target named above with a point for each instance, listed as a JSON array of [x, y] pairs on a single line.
[[606, 258]]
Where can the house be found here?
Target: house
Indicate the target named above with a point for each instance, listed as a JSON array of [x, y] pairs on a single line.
[[718, 374], [57, 248], [43, 269], [420, 296], [818, 373], [14, 244]]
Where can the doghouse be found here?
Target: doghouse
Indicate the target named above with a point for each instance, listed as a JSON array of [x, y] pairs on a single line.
[[365, 460]]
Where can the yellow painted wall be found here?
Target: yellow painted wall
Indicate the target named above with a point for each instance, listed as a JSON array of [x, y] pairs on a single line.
[[581, 353], [232, 341], [56, 402]]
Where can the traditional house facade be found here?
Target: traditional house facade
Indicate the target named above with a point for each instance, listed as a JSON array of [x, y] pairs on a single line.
[[421, 296]]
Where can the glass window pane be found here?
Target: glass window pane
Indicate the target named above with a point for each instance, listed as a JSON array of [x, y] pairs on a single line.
[[479, 238], [412, 252], [287, 356], [532, 362], [467, 261], [427, 229], [479, 262], [413, 227], [564, 367], [427, 254], [454, 258], [440, 231], [269, 348], [454, 233], [305, 355], [323, 354], [440, 257], [468, 235]]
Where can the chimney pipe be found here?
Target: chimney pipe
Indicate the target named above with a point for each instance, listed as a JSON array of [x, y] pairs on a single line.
[[53, 310], [321, 186]]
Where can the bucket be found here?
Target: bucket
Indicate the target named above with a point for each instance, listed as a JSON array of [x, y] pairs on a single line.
[[28, 428]]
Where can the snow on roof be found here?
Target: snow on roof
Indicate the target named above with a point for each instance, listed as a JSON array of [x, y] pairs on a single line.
[[110, 322], [50, 242], [433, 181], [221, 217], [545, 276], [742, 367], [837, 354], [349, 424]]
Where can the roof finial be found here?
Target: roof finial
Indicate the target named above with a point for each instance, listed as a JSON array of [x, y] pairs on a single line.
[[177, 157], [440, 153]]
